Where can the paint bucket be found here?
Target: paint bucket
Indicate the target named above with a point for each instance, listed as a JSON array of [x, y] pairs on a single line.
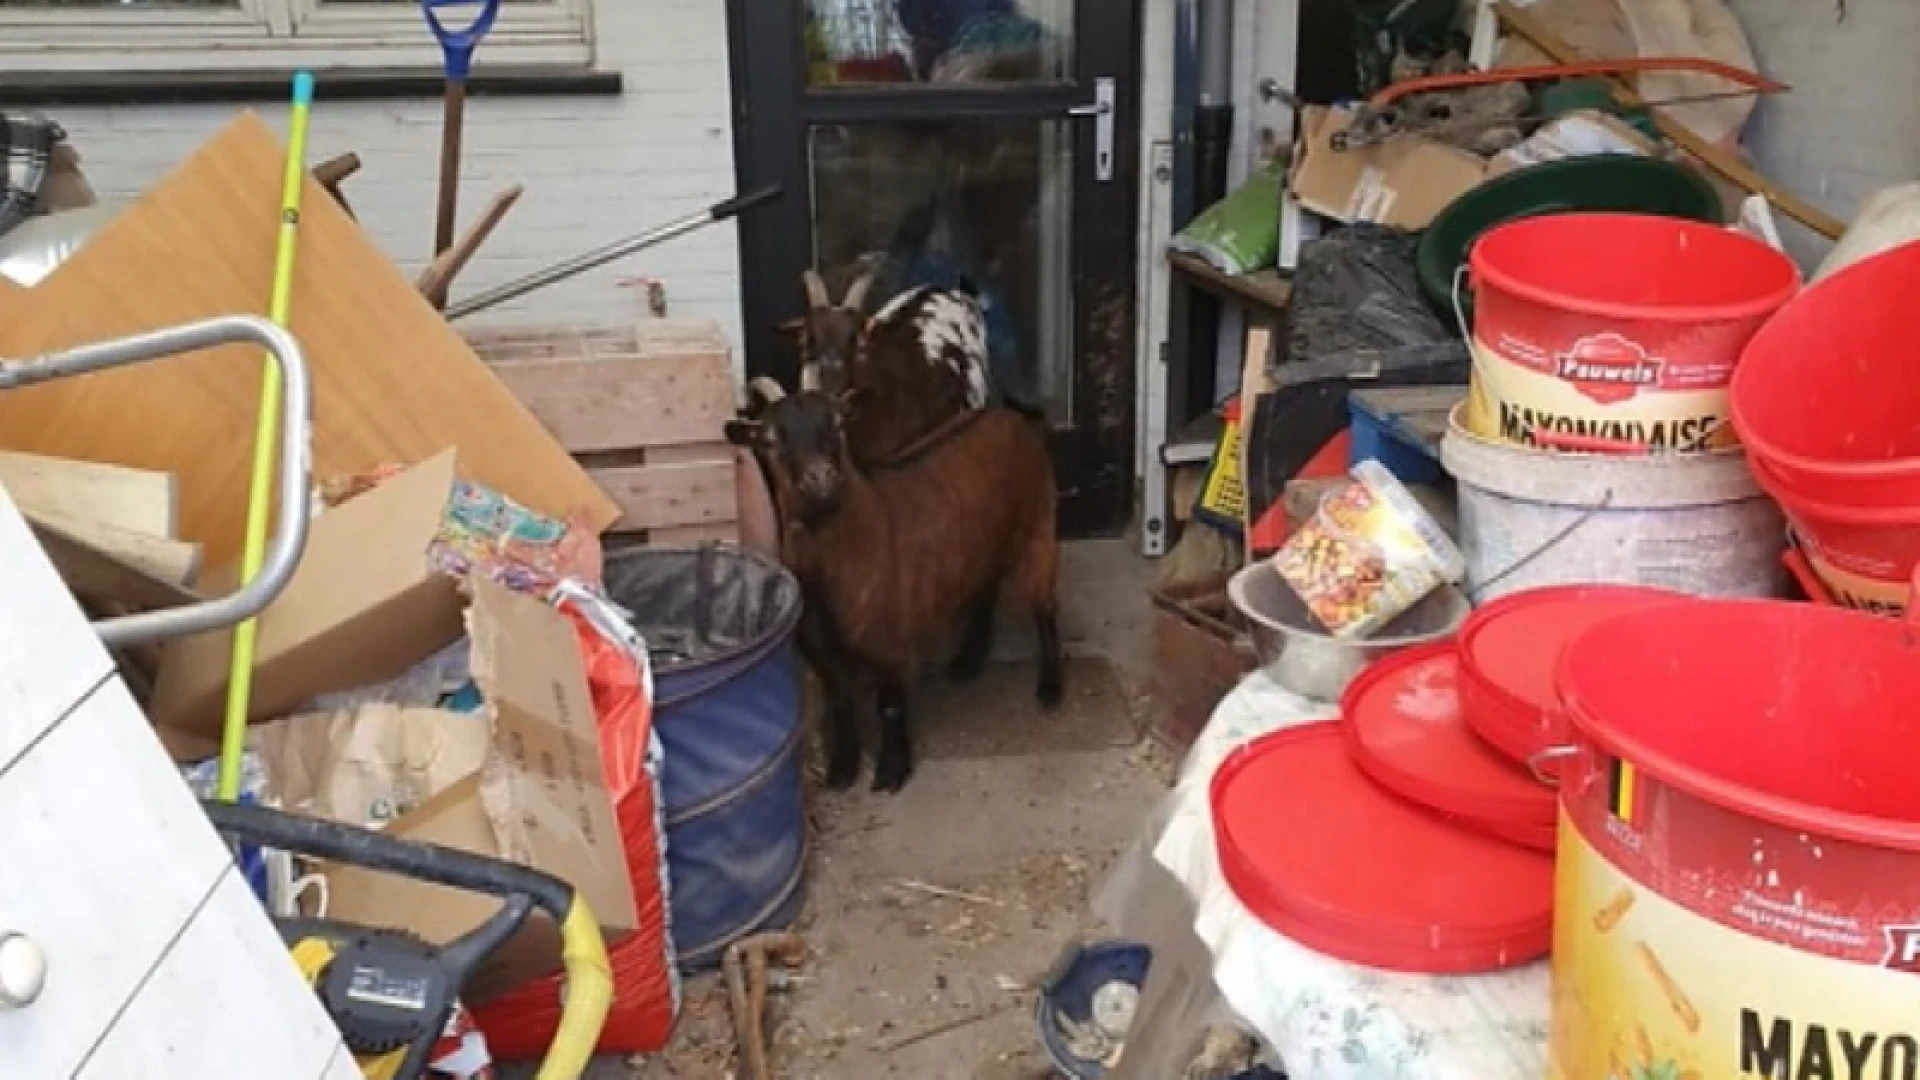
[[1827, 393], [1694, 523], [1740, 829], [1615, 332], [1865, 556], [1368, 555]]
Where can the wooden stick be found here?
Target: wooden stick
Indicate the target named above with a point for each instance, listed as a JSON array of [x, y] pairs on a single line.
[[938, 1030], [950, 894], [331, 173], [439, 274], [1726, 164]]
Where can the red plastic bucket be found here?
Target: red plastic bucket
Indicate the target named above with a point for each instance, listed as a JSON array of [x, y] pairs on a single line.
[[1827, 396], [1866, 556], [1615, 332], [1740, 834]]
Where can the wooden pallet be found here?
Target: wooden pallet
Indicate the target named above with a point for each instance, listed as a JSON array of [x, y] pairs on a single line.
[[642, 408]]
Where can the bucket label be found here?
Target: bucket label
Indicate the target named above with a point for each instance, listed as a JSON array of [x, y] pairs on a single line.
[[1603, 388], [1874, 595], [1691, 941]]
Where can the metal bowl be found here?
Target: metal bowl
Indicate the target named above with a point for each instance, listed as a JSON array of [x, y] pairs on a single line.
[[1307, 660]]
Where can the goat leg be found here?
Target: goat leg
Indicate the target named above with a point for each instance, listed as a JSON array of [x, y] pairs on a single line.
[[976, 640], [893, 764], [1052, 688], [819, 644]]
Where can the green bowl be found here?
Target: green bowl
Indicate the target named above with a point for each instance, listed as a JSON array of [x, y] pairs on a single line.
[[1621, 183]]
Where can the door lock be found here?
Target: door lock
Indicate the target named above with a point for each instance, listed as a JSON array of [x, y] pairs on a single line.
[[1101, 110]]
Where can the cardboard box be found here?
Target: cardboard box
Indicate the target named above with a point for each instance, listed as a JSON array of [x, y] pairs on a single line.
[[1404, 181], [363, 607], [520, 780]]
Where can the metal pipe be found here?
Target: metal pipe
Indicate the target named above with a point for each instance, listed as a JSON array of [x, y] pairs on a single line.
[[580, 264], [289, 539], [1215, 43]]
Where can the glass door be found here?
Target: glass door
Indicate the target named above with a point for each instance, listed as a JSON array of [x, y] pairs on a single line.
[[991, 141]]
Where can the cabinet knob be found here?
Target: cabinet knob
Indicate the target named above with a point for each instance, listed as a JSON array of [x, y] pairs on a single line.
[[23, 970]]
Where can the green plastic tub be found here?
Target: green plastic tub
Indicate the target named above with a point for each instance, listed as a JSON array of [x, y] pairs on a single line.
[[1608, 182]]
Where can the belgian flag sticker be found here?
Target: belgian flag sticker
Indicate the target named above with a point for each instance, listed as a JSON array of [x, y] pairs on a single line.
[[1625, 798]]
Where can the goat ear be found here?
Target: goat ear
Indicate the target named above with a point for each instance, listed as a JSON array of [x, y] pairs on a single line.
[[746, 433], [847, 398]]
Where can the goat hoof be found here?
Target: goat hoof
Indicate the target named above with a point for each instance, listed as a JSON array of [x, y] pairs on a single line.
[[890, 774], [966, 667], [1052, 691], [842, 772]]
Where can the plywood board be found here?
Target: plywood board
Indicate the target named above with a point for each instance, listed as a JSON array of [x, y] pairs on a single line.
[[393, 383], [123, 499]]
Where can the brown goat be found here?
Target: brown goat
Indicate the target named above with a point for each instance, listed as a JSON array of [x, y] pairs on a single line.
[[886, 558], [920, 362]]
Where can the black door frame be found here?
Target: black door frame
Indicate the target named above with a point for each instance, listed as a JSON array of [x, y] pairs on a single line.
[[771, 115]]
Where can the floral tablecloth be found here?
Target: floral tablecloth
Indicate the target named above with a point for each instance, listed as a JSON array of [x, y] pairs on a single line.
[[1327, 1019]]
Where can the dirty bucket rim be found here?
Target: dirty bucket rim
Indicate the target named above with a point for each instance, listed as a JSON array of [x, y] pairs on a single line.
[[1726, 794], [1731, 311]]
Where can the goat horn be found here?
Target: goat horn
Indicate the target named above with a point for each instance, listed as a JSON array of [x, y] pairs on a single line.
[[769, 390], [809, 376], [857, 292], [816, 289]]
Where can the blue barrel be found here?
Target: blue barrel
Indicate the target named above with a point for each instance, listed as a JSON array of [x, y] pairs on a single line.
[[719, 625]]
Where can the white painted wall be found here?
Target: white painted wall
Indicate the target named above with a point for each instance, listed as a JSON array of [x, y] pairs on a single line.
[[595, 168], [1848, 126]]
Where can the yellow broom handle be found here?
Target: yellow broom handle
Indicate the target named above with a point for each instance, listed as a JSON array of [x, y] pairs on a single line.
[[233, 737]]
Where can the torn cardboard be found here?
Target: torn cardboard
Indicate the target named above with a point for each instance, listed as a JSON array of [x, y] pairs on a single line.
[[364, 606], [521, 780], [1403, 181]]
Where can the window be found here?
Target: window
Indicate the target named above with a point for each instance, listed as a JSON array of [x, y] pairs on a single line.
[[237, 35]]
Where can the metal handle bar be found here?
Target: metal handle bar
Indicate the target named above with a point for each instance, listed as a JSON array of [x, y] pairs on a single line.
[[289, 539]]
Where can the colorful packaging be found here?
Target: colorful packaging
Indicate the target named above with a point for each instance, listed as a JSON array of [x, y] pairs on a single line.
[[1367, 555]]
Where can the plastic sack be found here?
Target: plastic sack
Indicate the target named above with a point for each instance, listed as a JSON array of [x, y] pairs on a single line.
[[1888, 218], [37, 246], [1358, 312], [646, 981], [1240, 233]]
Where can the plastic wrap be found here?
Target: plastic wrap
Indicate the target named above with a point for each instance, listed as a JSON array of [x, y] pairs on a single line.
[[1358, 312], [1329, 1020]]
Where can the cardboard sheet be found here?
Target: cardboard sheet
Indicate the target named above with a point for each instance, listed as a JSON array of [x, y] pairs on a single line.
[[393, 383], [1403, 181], [364, 606], [521, 780]]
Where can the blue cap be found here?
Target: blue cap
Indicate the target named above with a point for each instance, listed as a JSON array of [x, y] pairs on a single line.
[[303, 88]]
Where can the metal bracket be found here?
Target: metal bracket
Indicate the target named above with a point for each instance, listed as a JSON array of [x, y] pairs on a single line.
[[289, 538]]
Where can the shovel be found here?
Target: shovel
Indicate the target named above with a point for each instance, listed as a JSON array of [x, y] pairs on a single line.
[[457, 45]]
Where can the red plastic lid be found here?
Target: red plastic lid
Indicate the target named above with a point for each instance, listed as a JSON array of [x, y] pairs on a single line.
[[1509, 650], [1406, 730], [1324, 856]]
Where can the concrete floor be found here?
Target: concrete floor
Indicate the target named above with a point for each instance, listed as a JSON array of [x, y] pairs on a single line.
[[931, 913]]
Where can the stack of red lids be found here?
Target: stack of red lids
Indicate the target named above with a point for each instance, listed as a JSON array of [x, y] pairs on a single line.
[[1416, 832], [1509, 650]]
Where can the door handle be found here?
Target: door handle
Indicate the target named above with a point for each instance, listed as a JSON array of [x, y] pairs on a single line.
[[1101, 110]]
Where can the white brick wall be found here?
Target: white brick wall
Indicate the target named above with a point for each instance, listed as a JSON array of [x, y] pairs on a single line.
[[595, 168], [1848, 127]]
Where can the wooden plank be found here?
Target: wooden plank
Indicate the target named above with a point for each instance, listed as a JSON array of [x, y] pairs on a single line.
[[109, 858], [656, 383], [393, 383], [1266, 291], [49, 658], [225, 1003], [661, 496], [98, 577], [133, 500], [176, 562], [1725, 163]]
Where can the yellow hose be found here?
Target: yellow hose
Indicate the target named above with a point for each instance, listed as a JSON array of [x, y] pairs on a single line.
[[589, 995], [233, 737]]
